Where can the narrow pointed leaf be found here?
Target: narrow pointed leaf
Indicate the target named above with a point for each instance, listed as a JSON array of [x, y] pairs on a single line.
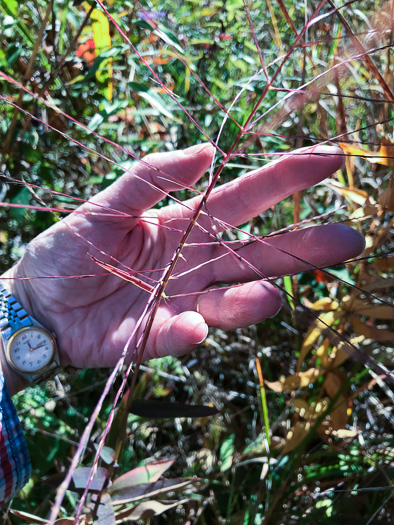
[[144, 474], [149, 490], [163, 409], [123, 275]]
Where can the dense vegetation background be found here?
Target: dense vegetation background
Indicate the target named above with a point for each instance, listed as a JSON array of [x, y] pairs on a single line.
[[304, 433]]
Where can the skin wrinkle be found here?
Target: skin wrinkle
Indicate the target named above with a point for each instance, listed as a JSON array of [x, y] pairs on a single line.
[[152, 177], [263, 301]]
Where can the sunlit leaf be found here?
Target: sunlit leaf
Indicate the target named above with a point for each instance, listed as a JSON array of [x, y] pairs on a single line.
[[358, 196], [102, 43], [11, 6], [315, 331], [155, 100], [380, 157], [144, 474], [325, 303], [227, 453], [289, 383], [169, 37]]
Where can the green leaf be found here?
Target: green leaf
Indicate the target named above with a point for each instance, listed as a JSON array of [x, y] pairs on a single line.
[[168, 36], [138, 87], [96, 121], [155, 100], [227, 453], [22, 197], [12, 54], [10, 6], [289, 290], [108, 111]]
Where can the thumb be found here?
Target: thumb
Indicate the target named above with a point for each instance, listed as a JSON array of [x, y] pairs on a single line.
[[149, 180]]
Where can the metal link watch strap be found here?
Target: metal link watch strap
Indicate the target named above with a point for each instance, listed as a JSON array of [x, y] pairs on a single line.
[[13, 317], [11, 312]]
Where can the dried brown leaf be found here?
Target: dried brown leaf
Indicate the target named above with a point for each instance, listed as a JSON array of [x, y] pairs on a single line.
[[371, 332], [295, 435], [289, 383]]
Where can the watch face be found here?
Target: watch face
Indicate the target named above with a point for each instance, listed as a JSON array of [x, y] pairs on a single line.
[[30, 349]]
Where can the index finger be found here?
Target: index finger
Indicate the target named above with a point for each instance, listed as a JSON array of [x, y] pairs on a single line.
[[244, 198]]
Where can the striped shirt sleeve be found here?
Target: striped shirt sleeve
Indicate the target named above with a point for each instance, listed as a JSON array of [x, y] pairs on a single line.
[[14, 456]]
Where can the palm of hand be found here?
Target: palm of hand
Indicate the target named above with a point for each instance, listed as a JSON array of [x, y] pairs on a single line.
[[93, 317]]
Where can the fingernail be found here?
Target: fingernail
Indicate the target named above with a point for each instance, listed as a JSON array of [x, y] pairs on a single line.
[[203, 328], [198, 148], [324, 150]]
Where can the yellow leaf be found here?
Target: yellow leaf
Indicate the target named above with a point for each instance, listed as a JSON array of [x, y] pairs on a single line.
[[326, 303], [386, 153], [101, 35], [314, 332], [289, 383], [365, 212], [322, 352], [383, 156], [358, 196], [102, 42]]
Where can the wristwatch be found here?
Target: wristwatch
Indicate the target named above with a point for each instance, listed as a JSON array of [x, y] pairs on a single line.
[[30, 349]]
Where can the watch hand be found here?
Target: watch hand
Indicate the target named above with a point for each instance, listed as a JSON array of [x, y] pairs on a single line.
[[39, 346]]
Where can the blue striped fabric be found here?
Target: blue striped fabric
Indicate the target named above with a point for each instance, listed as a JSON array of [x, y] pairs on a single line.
[[14, 456]]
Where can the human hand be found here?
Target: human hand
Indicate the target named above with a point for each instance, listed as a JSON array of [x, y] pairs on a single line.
[[93, 317]]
